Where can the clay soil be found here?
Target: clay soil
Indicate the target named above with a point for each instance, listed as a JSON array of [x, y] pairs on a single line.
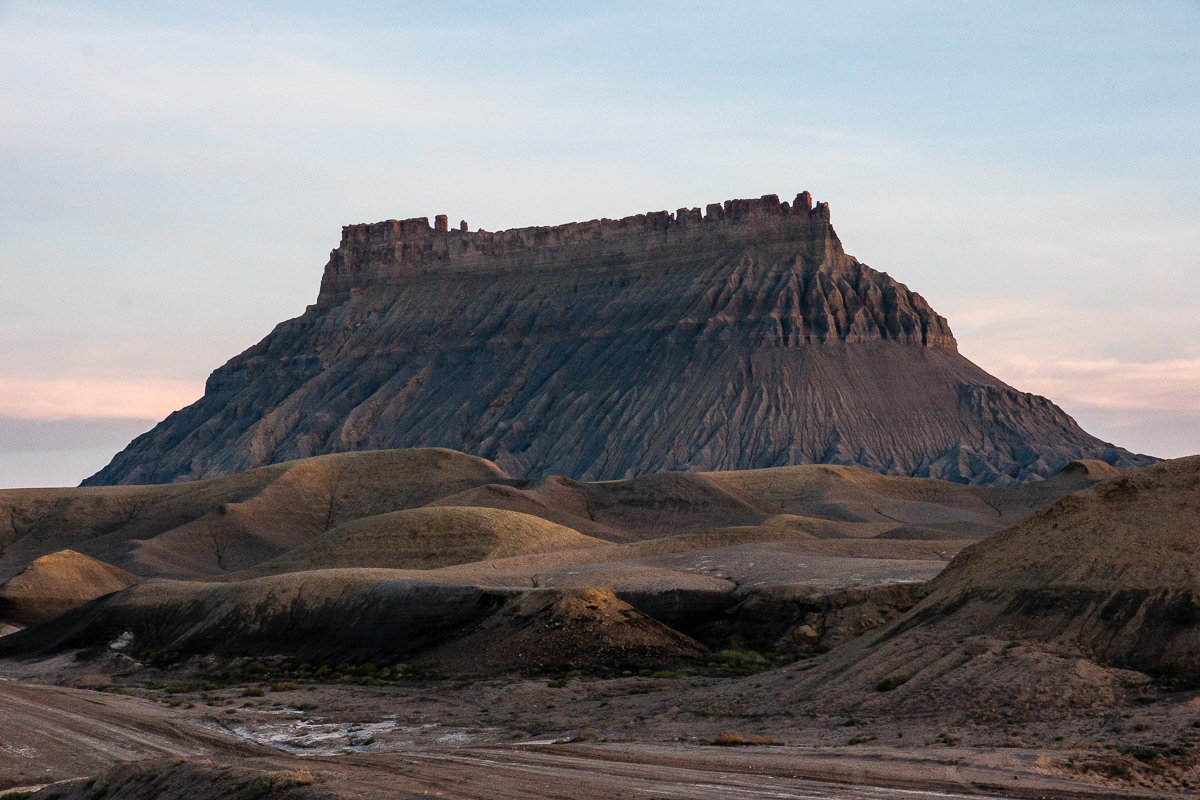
[[204, 728]]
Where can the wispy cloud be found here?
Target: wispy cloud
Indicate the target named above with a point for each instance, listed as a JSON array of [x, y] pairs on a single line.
[[1112, 384]]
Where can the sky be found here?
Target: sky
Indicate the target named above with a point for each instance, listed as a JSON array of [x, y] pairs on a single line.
[[175, 175]]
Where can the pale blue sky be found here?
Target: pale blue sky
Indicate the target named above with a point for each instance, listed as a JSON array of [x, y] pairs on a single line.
[[175, 175]]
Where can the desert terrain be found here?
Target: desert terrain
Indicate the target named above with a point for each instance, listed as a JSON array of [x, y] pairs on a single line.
[[672, 506], [420, 623]]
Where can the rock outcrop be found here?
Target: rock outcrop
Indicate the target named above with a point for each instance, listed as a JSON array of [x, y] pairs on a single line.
[[736, 338]]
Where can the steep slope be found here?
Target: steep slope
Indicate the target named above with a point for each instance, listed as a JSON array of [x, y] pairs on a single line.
[[742, 337], [1112, 572]]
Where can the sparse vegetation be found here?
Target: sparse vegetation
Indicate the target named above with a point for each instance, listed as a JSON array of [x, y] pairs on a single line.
[[734, 740], [891, 682], [269, 782], [735, 661]]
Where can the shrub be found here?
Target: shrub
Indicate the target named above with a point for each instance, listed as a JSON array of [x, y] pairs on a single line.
[[557, 683], [734, 740], [17, 795], [891, 682], [179, 688], [947, 739], [860, 739], [282, 686], [1141, 726], [252, 691], [268, 782]]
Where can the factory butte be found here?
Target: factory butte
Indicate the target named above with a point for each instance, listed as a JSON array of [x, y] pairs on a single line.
[[740, 337]]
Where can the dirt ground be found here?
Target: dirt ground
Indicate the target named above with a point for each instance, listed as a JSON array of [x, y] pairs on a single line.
[[628, 736]]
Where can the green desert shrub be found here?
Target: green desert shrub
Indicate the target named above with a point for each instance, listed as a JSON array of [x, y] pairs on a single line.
[[269, 782], [891, 682], [735, 740]]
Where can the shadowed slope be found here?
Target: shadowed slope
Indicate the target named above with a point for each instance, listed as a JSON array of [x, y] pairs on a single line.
[[740, 338], [363, 615]]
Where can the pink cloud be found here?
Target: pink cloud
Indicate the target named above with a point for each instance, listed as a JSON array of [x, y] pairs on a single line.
[[81, 398], [1108, 383]]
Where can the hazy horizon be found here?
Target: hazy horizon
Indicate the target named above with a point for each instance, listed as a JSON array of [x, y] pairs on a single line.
[[176, 176]]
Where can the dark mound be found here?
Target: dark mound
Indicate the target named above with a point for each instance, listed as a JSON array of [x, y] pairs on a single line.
[[160, 778], [330, 615], [740, 338], [56, 583], [571, 629], [363, 615]]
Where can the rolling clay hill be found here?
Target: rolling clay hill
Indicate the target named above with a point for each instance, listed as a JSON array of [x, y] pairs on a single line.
[[56, 583], [739, 338], [339, 548], [224, 526]]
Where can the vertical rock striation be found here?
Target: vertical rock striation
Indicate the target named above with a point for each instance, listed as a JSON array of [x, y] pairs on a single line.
[[738, 337]]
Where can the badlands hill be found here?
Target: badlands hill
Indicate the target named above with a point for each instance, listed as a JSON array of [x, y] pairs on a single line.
[[56, 583], [1112, 572], [1071, 608], [340, 510], [384, 555], [739, 338]]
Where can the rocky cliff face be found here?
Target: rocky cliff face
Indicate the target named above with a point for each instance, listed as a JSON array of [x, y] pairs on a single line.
[[734, 338]]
